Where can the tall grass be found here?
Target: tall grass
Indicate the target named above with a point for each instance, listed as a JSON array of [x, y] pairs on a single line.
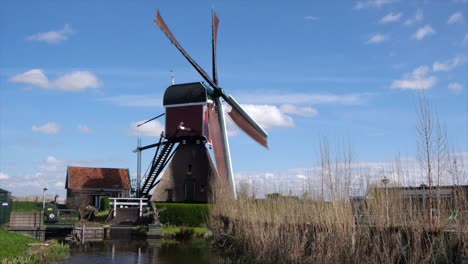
[[314, 231], [330, 227]]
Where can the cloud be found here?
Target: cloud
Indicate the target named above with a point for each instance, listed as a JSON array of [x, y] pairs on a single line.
[[268, 116], [47, 128], [418, 17], [455, 18], [377, 38], [34, 77], [151, 129], [455, 87], [74, 81], [447, 65], [53, 36], [419, 79], [51, 165], [4, 176], [300, 111], [423, 32], [391, 18], [84, 129], [372, 3], [311, 18]]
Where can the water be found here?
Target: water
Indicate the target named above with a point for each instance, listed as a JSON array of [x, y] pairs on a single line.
[[143, 251]]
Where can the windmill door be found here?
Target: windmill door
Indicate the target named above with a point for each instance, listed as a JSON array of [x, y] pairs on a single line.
[[189, 190]]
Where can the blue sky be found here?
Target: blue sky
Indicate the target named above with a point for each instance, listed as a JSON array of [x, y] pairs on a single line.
[[75, 76]]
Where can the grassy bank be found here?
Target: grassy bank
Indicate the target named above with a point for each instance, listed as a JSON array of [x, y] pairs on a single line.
[[184, 232], [14, 249]]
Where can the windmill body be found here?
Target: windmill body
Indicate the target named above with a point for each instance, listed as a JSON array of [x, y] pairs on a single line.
[[189, 174]]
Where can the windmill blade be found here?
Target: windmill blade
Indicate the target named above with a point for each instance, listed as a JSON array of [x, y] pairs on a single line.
[[220, 144], [247, 123], [217, 143], [214, 45], [160, 22]]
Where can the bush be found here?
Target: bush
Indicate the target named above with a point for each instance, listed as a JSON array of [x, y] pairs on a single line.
[[191, 215], [105, 205]]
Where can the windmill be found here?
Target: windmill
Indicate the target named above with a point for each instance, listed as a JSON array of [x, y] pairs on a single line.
[[195, 117]]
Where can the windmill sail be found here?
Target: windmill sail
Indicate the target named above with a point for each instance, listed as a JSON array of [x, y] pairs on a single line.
[[246, 123], [160, 22], [214, 45]]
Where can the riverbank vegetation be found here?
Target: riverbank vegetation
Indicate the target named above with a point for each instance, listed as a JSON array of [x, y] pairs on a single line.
[[18, 248], [387, 222], [190, 215]]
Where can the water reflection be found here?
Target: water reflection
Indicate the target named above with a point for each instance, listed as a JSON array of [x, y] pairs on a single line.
[[142, 251]]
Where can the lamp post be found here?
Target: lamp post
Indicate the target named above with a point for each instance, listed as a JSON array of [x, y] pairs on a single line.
[[43, 199], [385, 181]]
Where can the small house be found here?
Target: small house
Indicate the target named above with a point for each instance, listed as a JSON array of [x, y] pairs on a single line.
[[90, 185]]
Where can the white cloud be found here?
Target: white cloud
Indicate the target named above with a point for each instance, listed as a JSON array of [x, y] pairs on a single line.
[[455, 87], [34, 77], [152, 129], [418, 17], [4, 176], [455, 18], [47, 128], [419, 79], [372, 3], [390, 18], [84, 129], [59, 184], [311, 18], [447, 65], [268, 116], [423, 32], [297, 110], [51, 164], [74, 81], [53, 36], [377, 38]]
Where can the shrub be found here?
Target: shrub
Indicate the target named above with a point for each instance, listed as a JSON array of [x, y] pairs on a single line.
[[191, 215], [105, 205]]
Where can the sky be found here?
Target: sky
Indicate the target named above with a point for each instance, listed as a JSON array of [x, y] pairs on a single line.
[[76, 76]]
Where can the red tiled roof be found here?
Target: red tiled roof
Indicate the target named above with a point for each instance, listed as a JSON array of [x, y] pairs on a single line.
[[104, 178]]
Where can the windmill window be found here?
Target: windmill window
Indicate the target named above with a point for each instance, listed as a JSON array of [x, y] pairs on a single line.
[[169, 195], [189, 171]]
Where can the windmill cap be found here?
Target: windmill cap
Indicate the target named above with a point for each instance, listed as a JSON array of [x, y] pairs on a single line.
[[185, 93]]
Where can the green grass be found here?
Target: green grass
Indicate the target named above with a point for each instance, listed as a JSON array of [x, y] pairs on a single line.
[[20, 206], [14, 249], [13, 244], [174, 231]]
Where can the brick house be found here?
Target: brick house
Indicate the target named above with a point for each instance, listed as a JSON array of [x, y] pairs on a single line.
[[92, 184]]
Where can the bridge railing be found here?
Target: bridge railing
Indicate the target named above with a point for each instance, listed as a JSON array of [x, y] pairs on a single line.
[[121, 202]]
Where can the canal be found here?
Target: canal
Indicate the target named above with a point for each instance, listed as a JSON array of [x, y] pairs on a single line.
[[144, 251]]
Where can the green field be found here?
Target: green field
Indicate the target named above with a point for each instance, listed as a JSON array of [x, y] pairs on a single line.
[[20, 206]]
